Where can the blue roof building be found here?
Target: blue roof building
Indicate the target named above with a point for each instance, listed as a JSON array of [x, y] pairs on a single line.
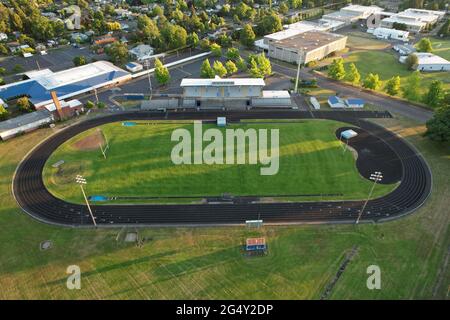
[[66, 83]]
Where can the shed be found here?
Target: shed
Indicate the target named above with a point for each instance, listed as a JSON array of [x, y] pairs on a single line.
[[134, 67], [221, 121], [354, 103], [336, 102], [315, 103]]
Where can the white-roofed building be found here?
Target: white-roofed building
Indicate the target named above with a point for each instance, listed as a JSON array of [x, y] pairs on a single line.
[[307, 46], [353, 13], [330, 25], [415, 19], [24, 123], [363, 12], [431, 62], [142, 52], [303, 26], [281, 35], [73, 105], [230, 93]]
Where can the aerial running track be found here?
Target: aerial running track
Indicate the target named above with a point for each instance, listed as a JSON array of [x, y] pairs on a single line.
[[378, 150]]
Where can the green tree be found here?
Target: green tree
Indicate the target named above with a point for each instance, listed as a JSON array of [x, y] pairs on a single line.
[[393, 86], [79, 61], [3, 49], [174, 36], [372, 81], [283, 9], [336, 70], [118, 52], [270, 23], [424, 45], [216, 50], [435, 94], [89, 104], [113, 26], [161, 72], [24, 104], [3, 113], [17, 68], [206, 71], [101, 105], [241, 64], [231, 67], [438, 127], [264, 64], [205, 44], [254, 70], [247, 36], [412, 89], [148, 28], [224, 40], [232, 54], [295, 4], [219, 69], [157, 11], [192, 39], [411, 62], [353, 75]]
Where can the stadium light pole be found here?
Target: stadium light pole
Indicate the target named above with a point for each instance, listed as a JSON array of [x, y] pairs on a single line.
[[300, 54], [82, 181], [147, 64], [375, 177]]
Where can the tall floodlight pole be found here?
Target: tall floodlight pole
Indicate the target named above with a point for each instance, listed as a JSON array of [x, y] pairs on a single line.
[[375, 177], [147, 64], [82, 181], [300, 54]]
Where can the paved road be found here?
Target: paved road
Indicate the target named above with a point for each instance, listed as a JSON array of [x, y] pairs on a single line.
[[392, 105]]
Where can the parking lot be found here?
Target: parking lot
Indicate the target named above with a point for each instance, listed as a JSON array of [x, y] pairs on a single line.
[[55, 59]]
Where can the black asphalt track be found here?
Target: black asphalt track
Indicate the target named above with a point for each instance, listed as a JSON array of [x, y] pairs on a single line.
[[412, 192], [374, 155]]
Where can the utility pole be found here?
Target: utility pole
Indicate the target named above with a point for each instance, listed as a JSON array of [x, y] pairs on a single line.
[[147, 64], [300, 54], [376, 177], [82, 181], [96, 96]]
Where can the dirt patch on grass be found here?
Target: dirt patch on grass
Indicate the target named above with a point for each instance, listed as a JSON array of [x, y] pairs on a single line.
[[90, 142], [66, 173]]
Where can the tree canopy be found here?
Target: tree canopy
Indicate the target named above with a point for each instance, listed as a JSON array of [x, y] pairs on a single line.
[[336, 70], [438, 127]]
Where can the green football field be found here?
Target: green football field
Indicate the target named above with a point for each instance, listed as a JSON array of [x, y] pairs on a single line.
[[312, 165]]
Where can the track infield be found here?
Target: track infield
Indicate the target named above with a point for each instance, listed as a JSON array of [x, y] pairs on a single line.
[[138, 167]]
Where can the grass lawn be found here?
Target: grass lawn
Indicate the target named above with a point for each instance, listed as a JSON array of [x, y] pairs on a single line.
[[139, 164], [386, 65], [207, 262], [441, 47], [357, 40]]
